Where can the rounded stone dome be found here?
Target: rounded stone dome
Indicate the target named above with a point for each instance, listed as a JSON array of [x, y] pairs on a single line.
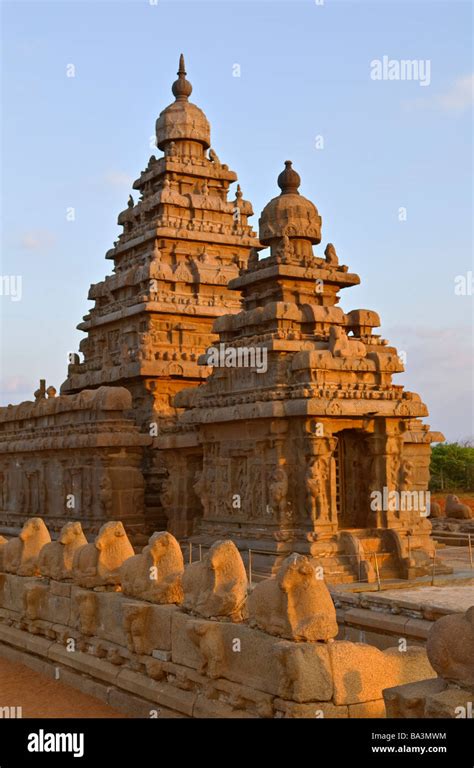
[[290, 213], [182, 119]]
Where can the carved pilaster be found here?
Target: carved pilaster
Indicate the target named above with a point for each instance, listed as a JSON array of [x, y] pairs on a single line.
[[320, 485]]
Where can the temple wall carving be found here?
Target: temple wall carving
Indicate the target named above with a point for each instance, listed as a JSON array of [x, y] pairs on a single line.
[[72, 456]]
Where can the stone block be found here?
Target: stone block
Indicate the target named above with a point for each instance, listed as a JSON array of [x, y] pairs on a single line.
[[157, 692], [357, 672], [376, 620], [368, 709], [305, 671], [12, 593], [60, 588], [453, 702], [249, 656], [241, 697], [158, 628], [83, 662], [238, 653], [161, 655], [110, 618], [361, 672], [84, 683], [410, 665], [418, 628], [12, 636], [209, 708], [408, 701], [183, 650], [37, 645], [316, 710], [56, 609], [134, 706]]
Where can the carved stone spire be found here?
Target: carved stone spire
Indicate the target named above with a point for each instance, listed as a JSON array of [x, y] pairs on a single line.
[[181, 87], [182, 121], [289, 180], [290, 213]]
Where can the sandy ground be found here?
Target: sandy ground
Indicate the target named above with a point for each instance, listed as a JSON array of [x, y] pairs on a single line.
[[39, 696]]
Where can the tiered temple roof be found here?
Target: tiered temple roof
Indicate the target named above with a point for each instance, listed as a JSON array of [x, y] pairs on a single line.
[[182, 241]]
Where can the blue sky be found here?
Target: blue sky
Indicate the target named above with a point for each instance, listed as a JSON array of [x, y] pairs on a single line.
[[304, 72]]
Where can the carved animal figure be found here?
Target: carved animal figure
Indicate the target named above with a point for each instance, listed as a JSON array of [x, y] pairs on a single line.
[[87, 610], [436, 510], [341, 346], [56, 558], [98, 564], [135, 620], [331, 255], [208, 639], [450, 648], [20, 555], [217, 585], [213, 157], [455, 508], [155, 575], [294, 604], [34, 597]]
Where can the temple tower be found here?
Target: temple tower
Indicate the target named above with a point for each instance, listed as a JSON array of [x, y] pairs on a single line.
[[306, 444], [182, 242]]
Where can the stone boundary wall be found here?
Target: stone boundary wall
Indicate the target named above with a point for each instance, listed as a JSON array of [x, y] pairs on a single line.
[[160, 660], [450, 648], [382, 621]]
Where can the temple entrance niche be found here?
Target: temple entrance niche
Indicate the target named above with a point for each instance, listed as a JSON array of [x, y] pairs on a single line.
[[352, 477]]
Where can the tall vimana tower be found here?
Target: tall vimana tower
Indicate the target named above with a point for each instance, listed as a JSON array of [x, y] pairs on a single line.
[[182, 242]]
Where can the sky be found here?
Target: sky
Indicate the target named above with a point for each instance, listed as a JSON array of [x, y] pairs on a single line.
[[388, 162]]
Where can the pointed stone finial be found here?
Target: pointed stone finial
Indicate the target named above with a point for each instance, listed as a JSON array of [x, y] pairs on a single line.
[[181, 87], [289, 180], [40, 393]]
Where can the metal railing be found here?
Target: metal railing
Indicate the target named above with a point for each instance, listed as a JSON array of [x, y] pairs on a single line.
[[444, 537], [468, 537], [189, 548]]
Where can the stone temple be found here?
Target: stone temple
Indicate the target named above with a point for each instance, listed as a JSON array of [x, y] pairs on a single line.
[[224, 394]]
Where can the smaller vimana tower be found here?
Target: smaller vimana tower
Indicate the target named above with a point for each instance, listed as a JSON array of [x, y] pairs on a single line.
[[316, 450]]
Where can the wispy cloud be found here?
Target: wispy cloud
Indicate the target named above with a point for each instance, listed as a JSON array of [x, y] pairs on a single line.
[[455, 99], [439, 367], [460, 95], [15, 389], [38, 240], [115, 178]]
